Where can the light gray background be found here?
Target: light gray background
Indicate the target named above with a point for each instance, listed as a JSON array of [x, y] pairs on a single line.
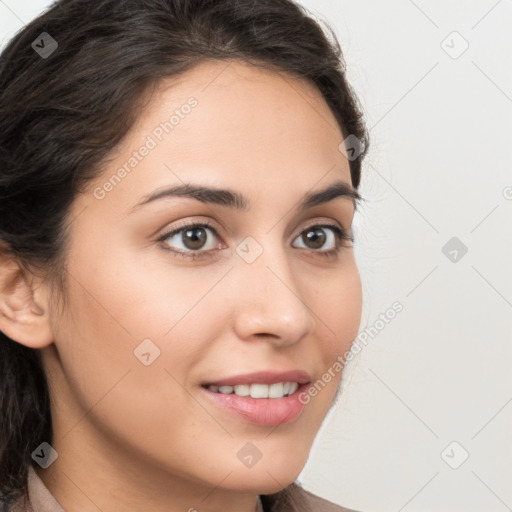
[[439, 167]]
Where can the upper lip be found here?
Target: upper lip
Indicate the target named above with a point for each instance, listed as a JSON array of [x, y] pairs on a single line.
[[264, 377]]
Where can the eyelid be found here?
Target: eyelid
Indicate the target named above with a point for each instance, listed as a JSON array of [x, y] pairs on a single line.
[[322, 222], [187, 224], [206, 222], [341, 234]]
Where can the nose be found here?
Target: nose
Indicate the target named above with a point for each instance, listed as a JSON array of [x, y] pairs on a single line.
[[270, 303]]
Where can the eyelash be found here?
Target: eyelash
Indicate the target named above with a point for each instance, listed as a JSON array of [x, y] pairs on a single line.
[[340, 234]]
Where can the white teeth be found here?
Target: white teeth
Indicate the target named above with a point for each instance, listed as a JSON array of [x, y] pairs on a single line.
[[293, 387], [277, 390], [242, 390], [259, 390]]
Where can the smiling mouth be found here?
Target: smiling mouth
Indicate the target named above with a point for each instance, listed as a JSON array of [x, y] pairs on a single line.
[[259, 403], [257, 390]]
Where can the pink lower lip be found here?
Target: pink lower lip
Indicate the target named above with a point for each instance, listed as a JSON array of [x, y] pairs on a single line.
[[260, 411]]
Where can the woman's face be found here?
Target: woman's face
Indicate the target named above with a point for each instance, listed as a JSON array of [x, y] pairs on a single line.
[[151, 318]]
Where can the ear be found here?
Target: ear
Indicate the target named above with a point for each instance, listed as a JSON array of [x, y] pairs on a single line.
[[21, 318]]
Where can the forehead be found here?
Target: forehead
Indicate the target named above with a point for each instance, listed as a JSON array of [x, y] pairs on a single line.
[[241, 108], [251, 127], [235, 81]]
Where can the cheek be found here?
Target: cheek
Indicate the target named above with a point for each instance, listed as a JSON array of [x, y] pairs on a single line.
[[338, 307], [111, 314], [118, 300]]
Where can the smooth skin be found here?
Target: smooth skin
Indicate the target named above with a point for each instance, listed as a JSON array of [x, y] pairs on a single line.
[[132, 437]]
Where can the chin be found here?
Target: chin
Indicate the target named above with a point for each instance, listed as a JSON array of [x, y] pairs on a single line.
[[266, 478]]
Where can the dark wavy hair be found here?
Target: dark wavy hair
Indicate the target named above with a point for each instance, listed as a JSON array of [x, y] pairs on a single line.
[[62, 116]]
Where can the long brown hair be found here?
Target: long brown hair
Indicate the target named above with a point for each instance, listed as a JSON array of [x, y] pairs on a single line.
[[63, 112]]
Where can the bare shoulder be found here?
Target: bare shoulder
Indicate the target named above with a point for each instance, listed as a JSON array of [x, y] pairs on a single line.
[[318, 504]]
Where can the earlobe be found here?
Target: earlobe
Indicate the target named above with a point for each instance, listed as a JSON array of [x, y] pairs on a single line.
[[21, 318]]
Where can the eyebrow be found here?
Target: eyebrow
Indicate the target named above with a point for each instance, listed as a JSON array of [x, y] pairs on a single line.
[[232, 199]]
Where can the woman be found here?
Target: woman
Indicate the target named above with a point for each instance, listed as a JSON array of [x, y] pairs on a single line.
[[178, 181]]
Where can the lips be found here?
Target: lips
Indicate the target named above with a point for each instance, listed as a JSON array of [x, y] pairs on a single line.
[[259, 410], [263, 377]]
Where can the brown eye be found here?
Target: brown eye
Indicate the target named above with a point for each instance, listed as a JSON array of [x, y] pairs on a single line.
[[194, 238], [192, 241], [314, 238], [190, 238]]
